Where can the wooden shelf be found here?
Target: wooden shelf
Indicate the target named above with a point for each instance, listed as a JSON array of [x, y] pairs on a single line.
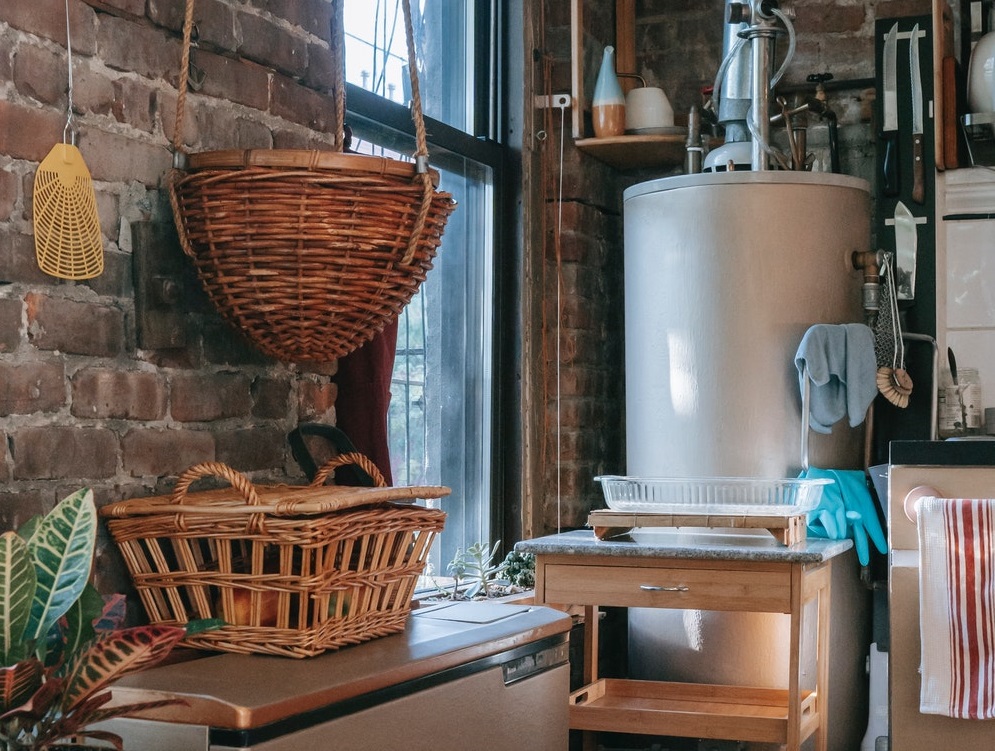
[[690, 710], [620, 152], [636, 152]]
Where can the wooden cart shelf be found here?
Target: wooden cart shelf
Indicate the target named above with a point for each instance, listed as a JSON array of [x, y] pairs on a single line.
[[576, 568], [789, 530], [689, 709]]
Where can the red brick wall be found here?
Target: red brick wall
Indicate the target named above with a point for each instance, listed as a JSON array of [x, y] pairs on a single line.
[[80, 402]]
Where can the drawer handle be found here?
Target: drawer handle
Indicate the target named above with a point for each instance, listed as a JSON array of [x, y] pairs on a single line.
[[655, 588]]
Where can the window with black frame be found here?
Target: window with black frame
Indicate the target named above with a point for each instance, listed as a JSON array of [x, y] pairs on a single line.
[[440, 420]]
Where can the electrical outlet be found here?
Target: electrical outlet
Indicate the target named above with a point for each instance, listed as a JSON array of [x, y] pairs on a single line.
[[556, 101]]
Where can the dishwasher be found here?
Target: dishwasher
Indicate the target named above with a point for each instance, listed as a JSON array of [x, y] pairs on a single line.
[[465, 675]]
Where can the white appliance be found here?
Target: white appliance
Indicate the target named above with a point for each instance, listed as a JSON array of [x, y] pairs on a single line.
[[461, 676], [955, 469], [724, 273]]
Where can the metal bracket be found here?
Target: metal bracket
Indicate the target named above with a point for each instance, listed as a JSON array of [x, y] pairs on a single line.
[[159, 272]]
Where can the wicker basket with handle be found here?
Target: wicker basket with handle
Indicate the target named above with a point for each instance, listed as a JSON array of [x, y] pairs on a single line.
[[292, 570], [308, 253]]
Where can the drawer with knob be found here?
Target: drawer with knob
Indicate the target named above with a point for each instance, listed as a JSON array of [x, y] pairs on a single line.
[[685, 586]]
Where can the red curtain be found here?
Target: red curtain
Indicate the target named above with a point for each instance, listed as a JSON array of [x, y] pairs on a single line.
[[364, 396]]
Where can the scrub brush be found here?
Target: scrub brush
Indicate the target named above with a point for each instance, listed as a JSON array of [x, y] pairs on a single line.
[[895, 385], [893, 380]]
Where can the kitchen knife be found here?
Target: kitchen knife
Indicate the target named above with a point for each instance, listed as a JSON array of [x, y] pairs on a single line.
[[889, 131], [918, 189], [905, 252]]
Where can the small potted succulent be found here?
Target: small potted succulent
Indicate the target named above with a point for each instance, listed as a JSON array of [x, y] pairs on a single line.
[[56, 665], [475, 575]]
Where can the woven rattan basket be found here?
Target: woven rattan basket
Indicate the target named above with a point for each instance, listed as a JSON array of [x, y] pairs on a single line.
[[292, 570], [308, 253]]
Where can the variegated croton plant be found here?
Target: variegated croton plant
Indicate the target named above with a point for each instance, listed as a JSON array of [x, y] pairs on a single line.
[[56, 665]]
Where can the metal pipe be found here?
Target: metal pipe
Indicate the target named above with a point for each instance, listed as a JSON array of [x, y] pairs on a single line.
[[694, 149], [759, 110], [761, 34], [870, 262], [806, 418], [733, 81], [834, 142]]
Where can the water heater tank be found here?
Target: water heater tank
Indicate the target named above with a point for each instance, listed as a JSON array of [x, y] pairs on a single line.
[[724, 272]]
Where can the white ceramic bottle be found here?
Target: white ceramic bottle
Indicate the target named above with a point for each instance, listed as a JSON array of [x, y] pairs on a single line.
[[608, 102]]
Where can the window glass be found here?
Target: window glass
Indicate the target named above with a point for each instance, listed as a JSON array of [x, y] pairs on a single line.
[[440, 422], [377, 58]]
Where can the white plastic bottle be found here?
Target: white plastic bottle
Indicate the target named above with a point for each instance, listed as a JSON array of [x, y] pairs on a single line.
[[970, 386]]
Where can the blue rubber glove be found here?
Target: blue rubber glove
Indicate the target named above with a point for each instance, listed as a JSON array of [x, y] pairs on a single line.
[[828, 519], [847, 510]]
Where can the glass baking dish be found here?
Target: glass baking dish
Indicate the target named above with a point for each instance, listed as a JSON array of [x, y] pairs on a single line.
[[743, 496]]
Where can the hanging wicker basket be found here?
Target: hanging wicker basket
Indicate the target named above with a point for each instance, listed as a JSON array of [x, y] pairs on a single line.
[[309, 253]]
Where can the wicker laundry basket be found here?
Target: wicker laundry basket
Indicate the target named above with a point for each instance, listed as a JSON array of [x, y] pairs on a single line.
[[308, 253], [292, 570]]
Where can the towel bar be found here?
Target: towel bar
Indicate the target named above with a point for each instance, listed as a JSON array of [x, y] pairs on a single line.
[[912, 498]]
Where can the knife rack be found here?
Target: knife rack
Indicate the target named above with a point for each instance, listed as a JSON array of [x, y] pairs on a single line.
[[918, 311]]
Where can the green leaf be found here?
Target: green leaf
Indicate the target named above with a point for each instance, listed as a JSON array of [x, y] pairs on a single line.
[[114, 655], [68, 725], [112, 614], [79, 620], [19, 682], [201, 625], [62, 548], [38, 704], [27, 529], [17, 588]]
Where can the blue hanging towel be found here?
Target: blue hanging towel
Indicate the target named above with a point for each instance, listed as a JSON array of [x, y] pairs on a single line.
[[839, 361]]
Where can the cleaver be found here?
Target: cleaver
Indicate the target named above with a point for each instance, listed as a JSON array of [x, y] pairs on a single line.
[[905, 252]]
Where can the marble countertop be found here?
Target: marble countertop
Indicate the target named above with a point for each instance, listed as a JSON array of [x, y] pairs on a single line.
[[687, 544]]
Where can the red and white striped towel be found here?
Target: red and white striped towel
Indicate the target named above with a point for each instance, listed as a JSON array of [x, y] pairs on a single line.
[[957, 607]]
